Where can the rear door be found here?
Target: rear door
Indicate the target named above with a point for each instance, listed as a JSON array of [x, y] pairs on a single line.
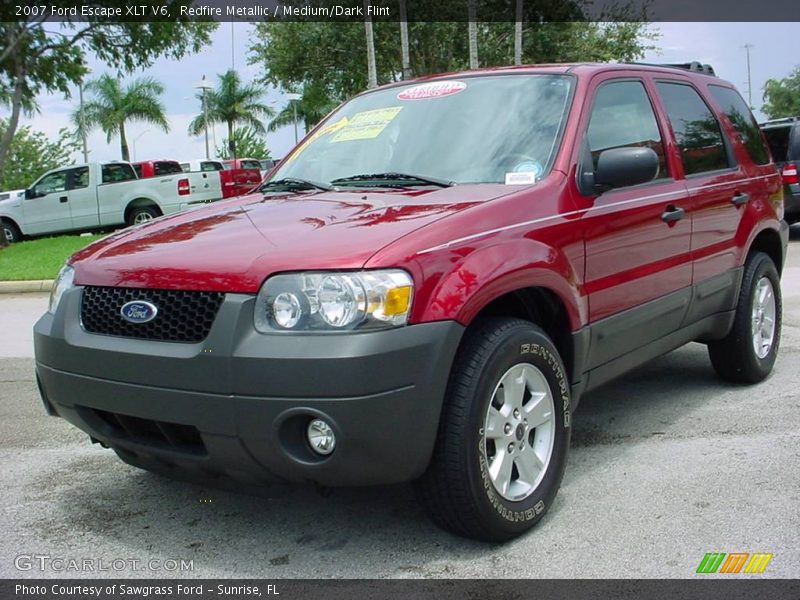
[[715, 180], [638, 262], [48, 210], [82, 199]]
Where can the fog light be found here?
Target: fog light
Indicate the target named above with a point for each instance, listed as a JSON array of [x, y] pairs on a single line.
[[320, 436]]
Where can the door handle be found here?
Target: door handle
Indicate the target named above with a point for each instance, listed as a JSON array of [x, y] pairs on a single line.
[[63, 199], [672, 214], [740, 199]]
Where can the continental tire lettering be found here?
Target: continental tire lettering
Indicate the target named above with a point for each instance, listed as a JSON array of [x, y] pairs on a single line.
[[552, 361]]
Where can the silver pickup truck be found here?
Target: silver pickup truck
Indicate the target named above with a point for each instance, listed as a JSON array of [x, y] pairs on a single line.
[[95, 196]]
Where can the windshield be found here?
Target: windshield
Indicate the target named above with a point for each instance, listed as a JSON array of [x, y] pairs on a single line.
[[469, 130]]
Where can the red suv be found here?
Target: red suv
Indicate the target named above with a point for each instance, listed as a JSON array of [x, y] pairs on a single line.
[[426, 286]]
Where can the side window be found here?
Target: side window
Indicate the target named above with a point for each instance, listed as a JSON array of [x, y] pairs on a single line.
[[116, 172], [743, 121], [696, 129], [138, 169], [79, 178], [167, 168], [622, 116], [55, 182]]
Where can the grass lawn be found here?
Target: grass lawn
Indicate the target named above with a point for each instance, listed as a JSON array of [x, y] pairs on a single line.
[[40, 258]]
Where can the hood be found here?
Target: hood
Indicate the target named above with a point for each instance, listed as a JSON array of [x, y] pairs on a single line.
[[13, 198], [234, 245]]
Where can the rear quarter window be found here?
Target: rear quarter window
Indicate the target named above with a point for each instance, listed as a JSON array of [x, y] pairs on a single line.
[[167, 168], [735, 108], [778, 139], [117, 172]]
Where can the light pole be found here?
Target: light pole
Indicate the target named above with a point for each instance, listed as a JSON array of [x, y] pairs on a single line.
[[204, 85], [136, 138], [749, 80], [293, 98]]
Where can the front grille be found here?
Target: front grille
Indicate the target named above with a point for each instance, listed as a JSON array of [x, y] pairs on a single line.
[[182, 316], [158, 434]]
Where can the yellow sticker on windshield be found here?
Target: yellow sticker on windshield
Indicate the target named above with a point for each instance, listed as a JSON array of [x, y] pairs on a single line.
[[328, 129], [366, 125]]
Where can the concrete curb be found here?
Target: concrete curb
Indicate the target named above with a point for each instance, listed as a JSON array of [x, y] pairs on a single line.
[[25, 287]]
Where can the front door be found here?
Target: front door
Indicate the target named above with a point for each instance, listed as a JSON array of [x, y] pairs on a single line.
[[638, 259], [48, 208]]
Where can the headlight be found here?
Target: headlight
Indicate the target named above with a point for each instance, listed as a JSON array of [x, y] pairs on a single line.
[[62, 283], [329, 301]]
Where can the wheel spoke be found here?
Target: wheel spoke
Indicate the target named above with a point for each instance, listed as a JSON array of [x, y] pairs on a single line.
[[513, 388], [528, 466], [500, 470], [494, 424], [538, 410]]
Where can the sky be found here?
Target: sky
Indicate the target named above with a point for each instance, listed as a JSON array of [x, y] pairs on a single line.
[[718, 44]]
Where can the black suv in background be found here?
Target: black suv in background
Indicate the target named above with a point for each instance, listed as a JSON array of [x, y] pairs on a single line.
[[783, 137]]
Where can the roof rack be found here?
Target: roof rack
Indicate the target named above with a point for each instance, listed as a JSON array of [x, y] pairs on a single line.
[[782, 121], [694, 67]]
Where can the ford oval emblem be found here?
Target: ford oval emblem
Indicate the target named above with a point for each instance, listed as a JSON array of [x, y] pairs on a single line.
[[138, 311]]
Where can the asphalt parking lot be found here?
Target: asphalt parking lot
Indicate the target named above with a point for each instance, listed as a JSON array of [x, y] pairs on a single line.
[[667, 463]]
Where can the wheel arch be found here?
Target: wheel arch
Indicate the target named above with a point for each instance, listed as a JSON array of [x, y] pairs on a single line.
[[769, 242], [140, 202], [13, 222], [523, 278]]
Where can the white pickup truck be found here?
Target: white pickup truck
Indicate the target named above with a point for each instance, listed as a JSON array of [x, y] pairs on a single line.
[[94, 196]]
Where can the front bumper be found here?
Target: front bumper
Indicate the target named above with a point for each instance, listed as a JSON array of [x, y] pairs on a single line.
[[238, 403]]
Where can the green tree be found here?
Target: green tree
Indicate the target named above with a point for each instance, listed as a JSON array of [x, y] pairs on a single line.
[[249, 144], [38, 56], [334, 62], [782, 96], [231, 103], [32, 153], [110, 106]]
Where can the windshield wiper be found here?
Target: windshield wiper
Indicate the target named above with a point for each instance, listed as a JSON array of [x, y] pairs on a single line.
[[290, 184], [400, 178]]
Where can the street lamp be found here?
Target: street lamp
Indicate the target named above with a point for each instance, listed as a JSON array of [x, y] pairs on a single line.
[[204, 85], [136, 138], [293, 98]]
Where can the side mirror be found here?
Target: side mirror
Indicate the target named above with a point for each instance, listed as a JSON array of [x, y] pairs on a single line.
[[621, 167], [30, 193]]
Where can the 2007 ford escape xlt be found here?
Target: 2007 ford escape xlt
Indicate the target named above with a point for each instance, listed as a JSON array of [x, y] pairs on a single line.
[[427, 284]]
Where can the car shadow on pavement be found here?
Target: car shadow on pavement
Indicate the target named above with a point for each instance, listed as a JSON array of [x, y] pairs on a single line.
[[294, 531]]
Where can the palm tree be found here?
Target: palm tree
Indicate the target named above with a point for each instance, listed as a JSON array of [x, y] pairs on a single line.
[[518, 33], [405, 58], [110, 106], [473, 33], [372, 75], [232, 103]]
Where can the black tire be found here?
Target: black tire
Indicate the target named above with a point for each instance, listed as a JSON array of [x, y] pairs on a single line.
[[734, 357], [456, 489], [10, 232], [142, 212]]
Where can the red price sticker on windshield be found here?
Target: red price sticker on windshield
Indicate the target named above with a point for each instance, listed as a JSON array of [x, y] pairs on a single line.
[[436, 89]]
